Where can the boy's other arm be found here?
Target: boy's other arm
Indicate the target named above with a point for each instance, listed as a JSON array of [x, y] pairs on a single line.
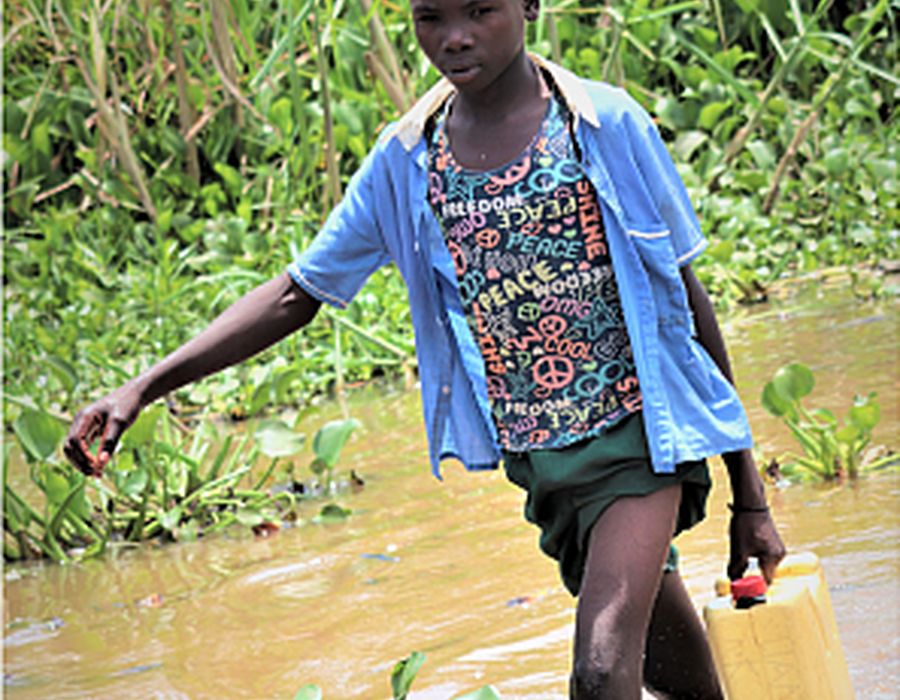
[[752, 531], [259, 319]]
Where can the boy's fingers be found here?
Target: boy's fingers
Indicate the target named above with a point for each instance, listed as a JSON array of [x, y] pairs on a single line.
[[737, 566], [772, 556], [108, 442], [754, 535], [768, 565], [77, 455], [87, 427]]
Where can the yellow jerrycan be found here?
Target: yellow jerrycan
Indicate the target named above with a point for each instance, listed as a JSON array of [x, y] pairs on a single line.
[[786, 648]]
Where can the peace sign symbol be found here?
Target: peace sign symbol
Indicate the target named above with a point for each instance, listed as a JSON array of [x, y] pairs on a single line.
[[487, 238], [553, 371], [459, 258], [552, 326], [529, 311]]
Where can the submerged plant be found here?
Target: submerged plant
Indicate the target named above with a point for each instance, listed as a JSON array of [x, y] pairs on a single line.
[[402, 677], [830, 450]]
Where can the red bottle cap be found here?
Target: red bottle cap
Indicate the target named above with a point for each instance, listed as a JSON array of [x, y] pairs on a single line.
[[748, 587]]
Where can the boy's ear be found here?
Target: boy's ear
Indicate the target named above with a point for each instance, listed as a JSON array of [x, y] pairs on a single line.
[[532, 9]]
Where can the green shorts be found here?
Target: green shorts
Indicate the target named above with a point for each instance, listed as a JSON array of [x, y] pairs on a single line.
[[568, 489]]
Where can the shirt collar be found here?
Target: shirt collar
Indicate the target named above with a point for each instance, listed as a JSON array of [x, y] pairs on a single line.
[[408, 130]]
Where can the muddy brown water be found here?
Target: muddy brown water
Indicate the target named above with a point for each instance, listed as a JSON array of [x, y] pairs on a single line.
[[449, 568]]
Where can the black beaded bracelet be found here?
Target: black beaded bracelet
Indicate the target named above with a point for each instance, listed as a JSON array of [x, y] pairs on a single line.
[[748, 509]]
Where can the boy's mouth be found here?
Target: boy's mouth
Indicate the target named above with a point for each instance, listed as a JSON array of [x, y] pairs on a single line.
[[461, 73]]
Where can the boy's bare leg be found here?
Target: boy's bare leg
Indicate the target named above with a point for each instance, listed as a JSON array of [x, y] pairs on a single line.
[[678, 663], [627, 550]]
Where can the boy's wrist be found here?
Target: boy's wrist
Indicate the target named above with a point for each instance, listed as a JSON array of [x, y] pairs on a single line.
[[748, 492]]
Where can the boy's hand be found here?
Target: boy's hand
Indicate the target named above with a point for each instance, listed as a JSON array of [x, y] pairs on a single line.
[[753, 534], [105, 420]]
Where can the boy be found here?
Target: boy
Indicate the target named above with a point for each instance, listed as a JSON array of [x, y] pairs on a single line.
[[545, 239]]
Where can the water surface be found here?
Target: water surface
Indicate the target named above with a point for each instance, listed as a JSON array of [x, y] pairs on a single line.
[[448, 568]]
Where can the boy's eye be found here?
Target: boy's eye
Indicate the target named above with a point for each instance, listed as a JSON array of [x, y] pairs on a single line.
[[480, 11]]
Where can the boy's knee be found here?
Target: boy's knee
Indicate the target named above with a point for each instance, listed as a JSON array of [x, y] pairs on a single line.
[[590, 679], [599, 676]]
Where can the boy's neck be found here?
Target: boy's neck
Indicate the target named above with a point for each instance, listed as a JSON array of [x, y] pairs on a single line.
[[515, 90], [491, 128]]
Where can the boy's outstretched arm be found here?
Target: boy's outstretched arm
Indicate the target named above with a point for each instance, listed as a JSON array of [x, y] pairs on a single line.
[[260, 318], [752, 531]]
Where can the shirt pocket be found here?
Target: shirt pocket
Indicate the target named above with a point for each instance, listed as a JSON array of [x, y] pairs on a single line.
[[657, 256]]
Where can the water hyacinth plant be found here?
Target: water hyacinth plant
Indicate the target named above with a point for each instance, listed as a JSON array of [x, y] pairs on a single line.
[[402, 677], [165, 482], [830, 450]]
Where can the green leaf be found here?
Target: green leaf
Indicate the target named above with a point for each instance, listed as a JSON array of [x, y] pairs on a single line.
[[709, 115], [54, 484], [331, 438], [164, 220], [752, 180], [170, 519], [670, 114], [232, 177], [142, 430], [63, 371], [773, 402], [318, 466], [309, 692], [332, 513], [824, 416], [837, 162], [794, 381], [722, 252], [688, 142], [763, 154], [486, 693], [276, 439], [404, 674], [848, 434], [262, 394], [249, 517], [187, 532], [882, 168], [40, 137], [865, 416], [748, 7], [136, 482], [280, 114], [39, 434], [861, 234]]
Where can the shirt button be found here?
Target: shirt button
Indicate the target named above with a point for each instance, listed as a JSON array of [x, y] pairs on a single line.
[[445, 389]]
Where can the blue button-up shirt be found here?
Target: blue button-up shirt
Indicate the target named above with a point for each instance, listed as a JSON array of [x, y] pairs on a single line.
[[690, 410]]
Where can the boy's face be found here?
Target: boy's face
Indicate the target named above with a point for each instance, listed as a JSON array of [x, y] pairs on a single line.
[[471, 42]]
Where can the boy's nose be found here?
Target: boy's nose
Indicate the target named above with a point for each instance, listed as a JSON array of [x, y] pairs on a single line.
[[457, 39]]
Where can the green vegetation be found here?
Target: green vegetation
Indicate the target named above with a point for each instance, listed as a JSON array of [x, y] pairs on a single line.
[[162, 158], [830, 451], [402, 676], [166, 482]]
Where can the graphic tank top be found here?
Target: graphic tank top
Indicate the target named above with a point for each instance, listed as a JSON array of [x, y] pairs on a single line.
[[537, 286]]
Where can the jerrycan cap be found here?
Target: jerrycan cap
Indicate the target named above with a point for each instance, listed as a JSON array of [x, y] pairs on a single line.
[[748, 587]]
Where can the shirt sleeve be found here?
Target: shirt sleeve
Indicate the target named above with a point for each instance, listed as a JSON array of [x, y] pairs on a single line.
[[350, 246], [665, 187]]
